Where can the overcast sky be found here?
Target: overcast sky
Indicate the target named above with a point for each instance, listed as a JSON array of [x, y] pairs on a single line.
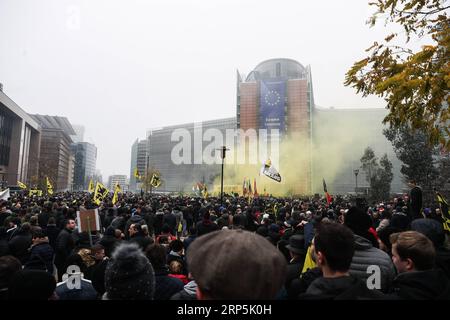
[[121, 67]]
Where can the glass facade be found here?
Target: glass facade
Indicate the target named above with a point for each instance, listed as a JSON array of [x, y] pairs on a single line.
[[85, 154], [181, 177], [6, 124]]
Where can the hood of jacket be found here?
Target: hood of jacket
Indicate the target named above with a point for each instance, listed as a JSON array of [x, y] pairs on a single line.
[[191, 288]]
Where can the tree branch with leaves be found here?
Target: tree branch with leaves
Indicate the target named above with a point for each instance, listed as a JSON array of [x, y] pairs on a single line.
[[415, 84]]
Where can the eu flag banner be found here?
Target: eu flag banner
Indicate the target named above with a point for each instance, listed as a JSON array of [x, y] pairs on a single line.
[[272, 105]]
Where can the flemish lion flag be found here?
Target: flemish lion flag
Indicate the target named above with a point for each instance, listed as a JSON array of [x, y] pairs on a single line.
[[22, 185], [100, 193], [136, 173], [49, 187], [445, 210], [36, 192], [156, 181], [116, 193], [91, 187]]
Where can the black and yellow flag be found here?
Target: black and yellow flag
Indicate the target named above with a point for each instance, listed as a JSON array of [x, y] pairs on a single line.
[[100, 193], [22, 185], [136, 174], [155, 181], [36, 192], [444, 210], [117, 189], [49, 187], [91, 187]]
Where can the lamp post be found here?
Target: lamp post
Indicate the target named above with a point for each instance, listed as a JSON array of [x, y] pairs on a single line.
[[356, 171], [223, 150]]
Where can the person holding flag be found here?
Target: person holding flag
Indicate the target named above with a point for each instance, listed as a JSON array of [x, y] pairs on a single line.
[[49, 187], [329, 199]]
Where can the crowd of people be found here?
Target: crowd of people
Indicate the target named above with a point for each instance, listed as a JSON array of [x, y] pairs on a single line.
[[161, 247]]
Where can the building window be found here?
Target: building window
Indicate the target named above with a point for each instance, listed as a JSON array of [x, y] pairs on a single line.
[[5, 138]]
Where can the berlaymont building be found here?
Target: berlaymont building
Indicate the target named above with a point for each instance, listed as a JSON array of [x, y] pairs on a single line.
[[306, 143]]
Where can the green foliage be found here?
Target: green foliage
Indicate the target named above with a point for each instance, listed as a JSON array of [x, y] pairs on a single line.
[[378, 174], [423, 162], [415, 85]]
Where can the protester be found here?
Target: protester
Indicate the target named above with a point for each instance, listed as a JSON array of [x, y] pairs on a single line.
[[366, 254], [334, 247], [129, 275], [413, 255]]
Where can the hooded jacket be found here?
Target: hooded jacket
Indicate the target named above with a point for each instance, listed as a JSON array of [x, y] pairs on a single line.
[[189, 292]]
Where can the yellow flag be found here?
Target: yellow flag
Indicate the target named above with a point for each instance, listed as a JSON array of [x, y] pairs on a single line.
[[116, 194], [309, 262], [22, 185], [36, 192], [100, 193], [155, 181], [91, 187], [136, 173], [49, 187]]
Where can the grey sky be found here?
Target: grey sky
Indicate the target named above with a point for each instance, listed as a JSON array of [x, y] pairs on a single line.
[[122, 67]]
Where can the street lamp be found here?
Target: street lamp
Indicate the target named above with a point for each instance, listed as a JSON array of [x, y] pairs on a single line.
[[223, 150], [356, 171]]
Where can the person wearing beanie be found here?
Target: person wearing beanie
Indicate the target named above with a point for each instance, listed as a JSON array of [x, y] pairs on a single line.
[[129, 275], [365, 253], [434, 231], [236, 264], [32, 285]]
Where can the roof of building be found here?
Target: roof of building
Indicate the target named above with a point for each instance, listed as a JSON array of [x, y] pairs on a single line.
[[276, 68], [54, 123], [18, 111]]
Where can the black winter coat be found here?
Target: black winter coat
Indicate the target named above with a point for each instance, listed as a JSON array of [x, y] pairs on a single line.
[[165, 286], [52, 233], [422, 285], [341, 288], [41, 257], [65, 243]]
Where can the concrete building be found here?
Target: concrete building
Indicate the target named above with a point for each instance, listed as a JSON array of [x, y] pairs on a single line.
[[315, 143], [55, 157], [180, 177], [117, 179], [20, 137]]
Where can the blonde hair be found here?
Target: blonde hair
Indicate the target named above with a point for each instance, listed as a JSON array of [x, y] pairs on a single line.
[[415, 246]]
